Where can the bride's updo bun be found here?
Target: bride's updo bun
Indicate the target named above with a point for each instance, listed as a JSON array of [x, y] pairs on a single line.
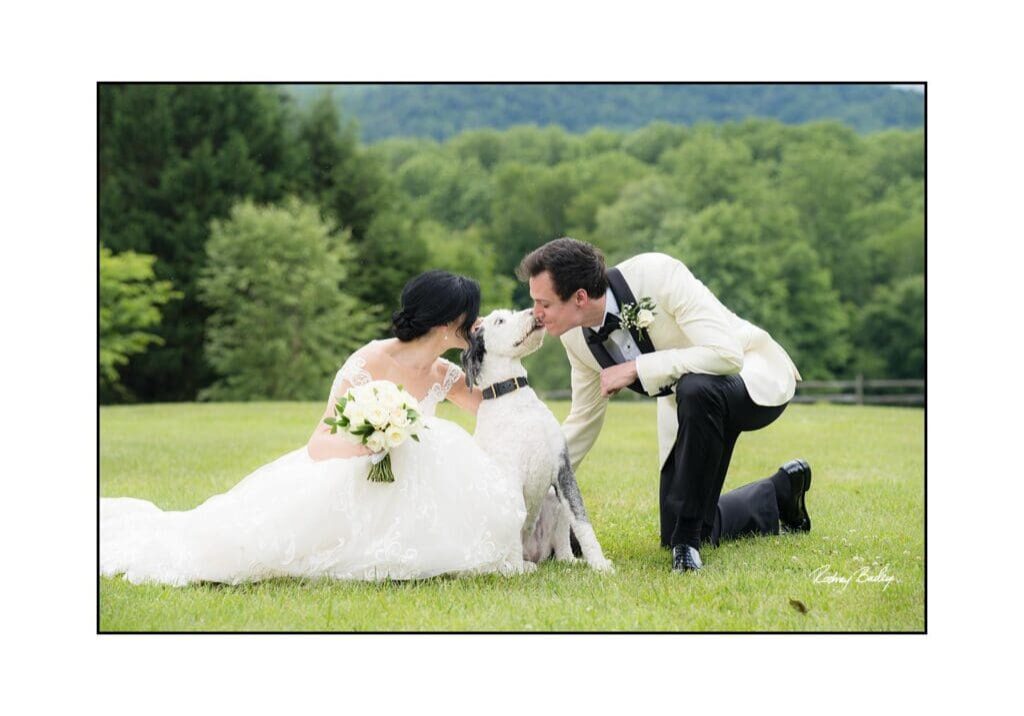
[[436, 298], [405, 326]]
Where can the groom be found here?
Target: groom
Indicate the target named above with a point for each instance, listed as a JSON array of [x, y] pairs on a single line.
[[649, 325]]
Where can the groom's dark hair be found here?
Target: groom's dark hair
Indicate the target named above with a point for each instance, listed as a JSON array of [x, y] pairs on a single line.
[[572, 264]]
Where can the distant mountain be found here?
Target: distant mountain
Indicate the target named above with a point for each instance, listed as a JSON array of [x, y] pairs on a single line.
[[442, 110]]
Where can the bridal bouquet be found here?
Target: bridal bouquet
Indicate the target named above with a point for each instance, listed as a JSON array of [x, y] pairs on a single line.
[[379, 415]]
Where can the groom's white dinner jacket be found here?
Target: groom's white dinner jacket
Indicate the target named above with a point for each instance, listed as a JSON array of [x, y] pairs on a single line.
[[692, 333]]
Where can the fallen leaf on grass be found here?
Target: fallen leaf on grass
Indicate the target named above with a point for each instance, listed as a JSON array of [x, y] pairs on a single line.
[[798, 605]]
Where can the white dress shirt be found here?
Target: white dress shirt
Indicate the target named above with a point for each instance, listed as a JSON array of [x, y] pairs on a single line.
[[620, 343]]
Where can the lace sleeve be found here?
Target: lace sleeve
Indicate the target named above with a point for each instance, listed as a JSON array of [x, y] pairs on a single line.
[[354, 372], [439, 391], [451, 376]]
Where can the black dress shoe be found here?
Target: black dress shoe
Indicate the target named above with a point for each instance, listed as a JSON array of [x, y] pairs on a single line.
[[685, 559], [793, 513]]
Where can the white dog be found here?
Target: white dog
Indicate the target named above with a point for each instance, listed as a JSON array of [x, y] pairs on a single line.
[[519, 431]]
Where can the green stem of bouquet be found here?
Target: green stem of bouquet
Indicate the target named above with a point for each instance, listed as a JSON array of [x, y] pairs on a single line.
[[381, 472]]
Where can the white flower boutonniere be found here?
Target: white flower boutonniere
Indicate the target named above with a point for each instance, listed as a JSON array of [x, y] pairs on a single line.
[[638, 315]]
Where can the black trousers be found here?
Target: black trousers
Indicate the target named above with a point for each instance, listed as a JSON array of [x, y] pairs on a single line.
[[713, 410]]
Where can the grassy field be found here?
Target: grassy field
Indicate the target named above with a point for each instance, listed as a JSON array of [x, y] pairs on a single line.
[[867, 507]]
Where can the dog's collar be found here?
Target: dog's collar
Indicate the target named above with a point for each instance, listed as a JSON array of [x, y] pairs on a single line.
[[503, 388]]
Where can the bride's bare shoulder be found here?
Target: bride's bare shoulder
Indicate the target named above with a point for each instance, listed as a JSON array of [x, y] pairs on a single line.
[[371, 358]]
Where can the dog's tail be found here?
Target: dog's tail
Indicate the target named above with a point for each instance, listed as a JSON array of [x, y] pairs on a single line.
[[566, 475], [567, 488], [569, 495]]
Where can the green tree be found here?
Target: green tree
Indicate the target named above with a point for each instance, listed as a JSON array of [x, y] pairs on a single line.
[[351, 185], [171, 158], [529, 208], [600, 180], [893, 157], [130, 302], [392, 253], [631, 224], [483, 145], [455, 192], [819, 338], [282, 318], [596, 142], [324, 145], [709, 169], [888, 235], [765, 138], [649, 143], [890, 331], [393, 153], [534, 145], [357, 194], [417, 175], [464, 252], [826, 185]]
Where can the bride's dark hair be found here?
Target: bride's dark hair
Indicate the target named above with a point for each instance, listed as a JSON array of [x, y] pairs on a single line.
[[433, 299]]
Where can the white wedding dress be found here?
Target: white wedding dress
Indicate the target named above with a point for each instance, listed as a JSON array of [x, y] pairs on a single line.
[[451, 509]]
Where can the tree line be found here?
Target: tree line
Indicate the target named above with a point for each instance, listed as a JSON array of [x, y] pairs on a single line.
[[279, 242]]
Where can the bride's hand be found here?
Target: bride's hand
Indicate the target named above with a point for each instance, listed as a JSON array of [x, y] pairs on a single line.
[[324, 446]]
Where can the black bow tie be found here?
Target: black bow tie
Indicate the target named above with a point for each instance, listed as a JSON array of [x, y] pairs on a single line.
[[611, 323]]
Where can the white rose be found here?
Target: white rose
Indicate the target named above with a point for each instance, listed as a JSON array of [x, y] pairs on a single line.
[[378, 415], [376, 442], [354, 412], [362, 394], [394, 436], [389, 397], [410, 402], [400, 418], [644, 318]]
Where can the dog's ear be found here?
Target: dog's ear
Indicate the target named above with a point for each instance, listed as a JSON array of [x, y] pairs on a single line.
[[473, 357]]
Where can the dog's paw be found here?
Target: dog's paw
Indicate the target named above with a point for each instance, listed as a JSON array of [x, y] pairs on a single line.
[[529, 567], [603, 565], [570, 558]]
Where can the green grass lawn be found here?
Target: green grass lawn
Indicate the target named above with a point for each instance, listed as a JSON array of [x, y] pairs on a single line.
[[866, 504]]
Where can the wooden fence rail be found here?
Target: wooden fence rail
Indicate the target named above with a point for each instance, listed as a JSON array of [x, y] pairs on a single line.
[[854, 392], [864, 392]]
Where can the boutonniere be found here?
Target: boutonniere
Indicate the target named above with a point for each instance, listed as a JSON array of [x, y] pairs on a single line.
[[638, 315]]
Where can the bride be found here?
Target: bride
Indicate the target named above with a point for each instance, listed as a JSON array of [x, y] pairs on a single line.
[[313, 513]]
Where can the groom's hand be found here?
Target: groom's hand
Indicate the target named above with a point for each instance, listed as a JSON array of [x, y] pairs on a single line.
[[617, 377]]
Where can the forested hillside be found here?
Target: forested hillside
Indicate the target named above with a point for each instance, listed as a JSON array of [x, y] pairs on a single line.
[[441, 111]]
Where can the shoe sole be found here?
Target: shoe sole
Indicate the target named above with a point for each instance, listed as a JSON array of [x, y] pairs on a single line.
[[807, 468], [803, 506], [805, 523]]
